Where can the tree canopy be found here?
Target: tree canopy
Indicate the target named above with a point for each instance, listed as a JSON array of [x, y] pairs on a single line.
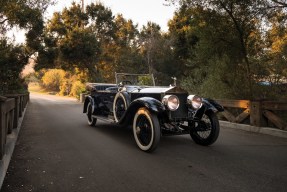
[[24, 14], [231, 43], [217, 48]]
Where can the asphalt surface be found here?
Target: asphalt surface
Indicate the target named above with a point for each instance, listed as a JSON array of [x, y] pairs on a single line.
[[58, 151]]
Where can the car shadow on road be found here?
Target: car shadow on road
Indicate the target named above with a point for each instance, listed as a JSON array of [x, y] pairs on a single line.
[[124, 135]]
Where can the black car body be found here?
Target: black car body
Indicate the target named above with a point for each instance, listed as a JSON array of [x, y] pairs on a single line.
[[152, 111]]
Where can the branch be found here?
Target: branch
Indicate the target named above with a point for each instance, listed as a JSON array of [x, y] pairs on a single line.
[[232, 17], [2, 22], [243, 45], [280, 3], [276, 7]]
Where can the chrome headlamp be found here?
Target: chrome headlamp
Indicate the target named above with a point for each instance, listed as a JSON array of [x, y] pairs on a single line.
[[171, 101], [194, 101]]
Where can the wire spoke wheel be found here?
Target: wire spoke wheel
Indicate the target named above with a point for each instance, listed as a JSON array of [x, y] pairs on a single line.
[[206, 131], [205, 126], [146, 130]]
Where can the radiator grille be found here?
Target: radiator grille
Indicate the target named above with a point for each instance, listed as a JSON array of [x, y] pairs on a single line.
[[182, 111]]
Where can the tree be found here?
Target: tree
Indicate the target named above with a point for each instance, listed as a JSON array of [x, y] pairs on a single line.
[[83, 40], [119, 52], [275, 4], [156, 49], [127, 57], [207, 50], [229, 34], [22, 13], [25, 14], [12, 60], [150, 36], [275, 69]]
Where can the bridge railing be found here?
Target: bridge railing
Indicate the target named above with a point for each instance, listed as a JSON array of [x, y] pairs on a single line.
[[11, 109], [256, 113]]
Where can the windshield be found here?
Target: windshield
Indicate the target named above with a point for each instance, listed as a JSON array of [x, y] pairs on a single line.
[[135, 79]]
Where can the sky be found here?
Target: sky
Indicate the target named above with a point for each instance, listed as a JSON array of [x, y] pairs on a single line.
[[139, 11]]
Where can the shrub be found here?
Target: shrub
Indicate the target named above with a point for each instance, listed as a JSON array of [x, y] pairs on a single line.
[[77, 88], [53, 79]]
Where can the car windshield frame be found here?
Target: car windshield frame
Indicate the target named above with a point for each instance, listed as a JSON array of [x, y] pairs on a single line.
[[134, 78]]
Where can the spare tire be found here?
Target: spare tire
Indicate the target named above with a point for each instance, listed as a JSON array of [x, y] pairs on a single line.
[[120, 106]]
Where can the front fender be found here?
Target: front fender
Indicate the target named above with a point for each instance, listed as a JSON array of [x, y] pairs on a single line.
[[212, 105], [150, 103], [208, 105], [87, 100]]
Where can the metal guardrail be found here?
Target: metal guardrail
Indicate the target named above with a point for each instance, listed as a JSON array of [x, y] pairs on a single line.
[[255, 113], [11, 109]]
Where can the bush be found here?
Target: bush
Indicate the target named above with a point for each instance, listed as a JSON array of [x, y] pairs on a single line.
[[53, 79], [77, 88]]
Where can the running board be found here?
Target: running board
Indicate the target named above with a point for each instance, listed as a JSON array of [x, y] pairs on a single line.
[[106, 119]]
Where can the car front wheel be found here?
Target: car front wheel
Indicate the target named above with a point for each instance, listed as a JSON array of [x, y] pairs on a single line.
[[206, 131], [146, 130], [91, 120]]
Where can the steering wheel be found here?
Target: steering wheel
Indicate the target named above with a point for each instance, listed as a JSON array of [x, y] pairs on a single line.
[[125, 83]]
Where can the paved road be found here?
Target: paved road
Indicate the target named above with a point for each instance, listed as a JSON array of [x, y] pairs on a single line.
[[58, 151]]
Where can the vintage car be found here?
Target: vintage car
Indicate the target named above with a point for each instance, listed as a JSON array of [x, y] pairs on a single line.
[[152, 111]]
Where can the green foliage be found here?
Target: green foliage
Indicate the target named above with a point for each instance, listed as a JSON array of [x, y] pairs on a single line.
[[125, 45], [226, 50], [79, 47], [218, 48], [24, 14], [156, 50], [12, 61], [77, 39], [145, 80]]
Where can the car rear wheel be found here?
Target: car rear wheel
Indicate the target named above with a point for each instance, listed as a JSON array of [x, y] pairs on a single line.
[[91, 120], [206, 131], [146, 130]]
